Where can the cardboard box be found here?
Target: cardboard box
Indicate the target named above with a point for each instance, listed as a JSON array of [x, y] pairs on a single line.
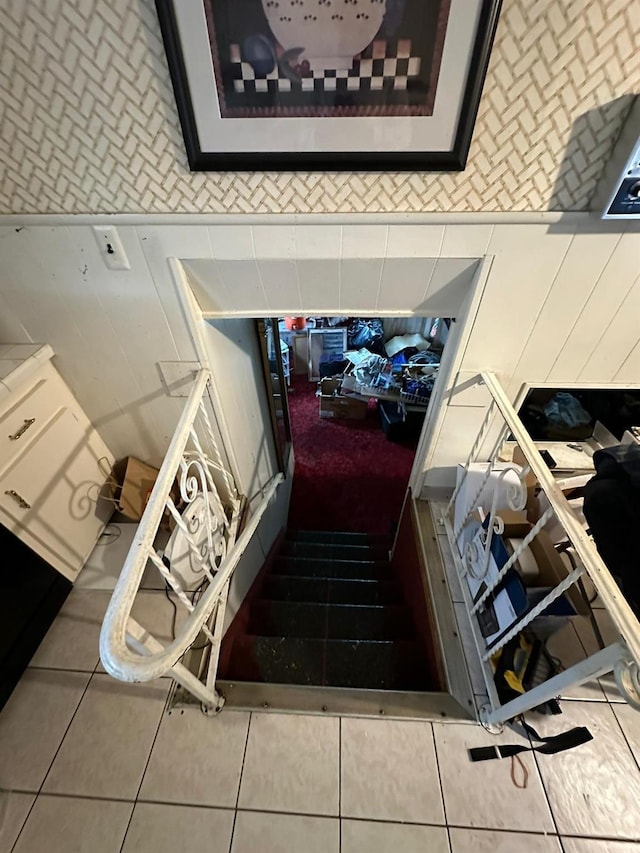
[[516, 524], [329, 386], [552, 568], [343, 407], [132, 483], [335, 405]]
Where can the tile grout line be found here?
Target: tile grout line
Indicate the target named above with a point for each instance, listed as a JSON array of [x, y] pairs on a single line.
[[24, 822], [244, 755], [63, 796], [504, 830], [66, 731], [542, 783], [44, 779], [624, 736], [444, 806], [41, 668], [144, 772], [90, 672], [340, 784]]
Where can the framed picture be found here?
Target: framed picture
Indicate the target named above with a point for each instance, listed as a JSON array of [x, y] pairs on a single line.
[[307, 85]]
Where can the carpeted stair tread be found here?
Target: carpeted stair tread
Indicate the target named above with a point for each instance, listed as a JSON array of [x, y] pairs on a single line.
[[333, 621], [330, 590], [302, 619], [337, 537], [318, 567], [334, 552], [363, 664], [330, 612], [360, 622]]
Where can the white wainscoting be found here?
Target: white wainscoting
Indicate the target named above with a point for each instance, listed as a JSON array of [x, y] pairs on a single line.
[[561, 302], [241, 392]]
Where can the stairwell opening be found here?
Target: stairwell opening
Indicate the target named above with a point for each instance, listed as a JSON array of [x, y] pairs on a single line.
[[401, 662], [336, 605]]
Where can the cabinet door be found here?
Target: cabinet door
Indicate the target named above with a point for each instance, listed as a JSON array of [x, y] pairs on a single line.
[[58, 477], [27, 416]]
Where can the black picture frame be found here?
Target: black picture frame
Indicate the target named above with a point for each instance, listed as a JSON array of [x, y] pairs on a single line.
[[336, 161]]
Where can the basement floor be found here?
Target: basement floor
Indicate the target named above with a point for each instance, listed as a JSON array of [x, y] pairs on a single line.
[[91, 764], [348, 475]]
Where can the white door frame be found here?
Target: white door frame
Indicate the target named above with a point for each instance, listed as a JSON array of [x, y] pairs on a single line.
[[193, 317], [452, 358]]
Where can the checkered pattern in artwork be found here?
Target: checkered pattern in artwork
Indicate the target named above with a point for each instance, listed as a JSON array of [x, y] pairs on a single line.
[[384, 65]]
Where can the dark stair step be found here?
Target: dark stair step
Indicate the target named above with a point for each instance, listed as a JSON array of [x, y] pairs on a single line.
[[330, 591], [333, 621], [374, 665], [336, 537], [316, 567], [327, 550]]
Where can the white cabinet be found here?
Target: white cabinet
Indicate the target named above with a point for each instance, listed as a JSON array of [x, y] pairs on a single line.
[[53, 465]]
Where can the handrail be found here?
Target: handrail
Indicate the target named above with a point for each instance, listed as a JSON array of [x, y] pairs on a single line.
[[193, 460], [119, 661], [471, 553], [619, 609]]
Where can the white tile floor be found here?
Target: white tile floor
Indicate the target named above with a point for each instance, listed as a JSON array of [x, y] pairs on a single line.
[[90, 764]]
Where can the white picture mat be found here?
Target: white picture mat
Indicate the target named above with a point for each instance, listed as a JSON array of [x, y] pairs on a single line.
[[312, 135]]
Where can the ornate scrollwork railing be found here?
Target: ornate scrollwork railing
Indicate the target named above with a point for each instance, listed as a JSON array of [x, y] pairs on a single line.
[[472, 554], [196, 504]]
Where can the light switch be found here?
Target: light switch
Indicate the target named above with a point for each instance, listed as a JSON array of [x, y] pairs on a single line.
[[111, 247]]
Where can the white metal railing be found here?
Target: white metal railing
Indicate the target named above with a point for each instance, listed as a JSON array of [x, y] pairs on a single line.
[[471, 545], [195, 496]]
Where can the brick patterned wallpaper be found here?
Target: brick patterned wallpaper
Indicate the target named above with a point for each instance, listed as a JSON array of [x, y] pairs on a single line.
[[88, 121]]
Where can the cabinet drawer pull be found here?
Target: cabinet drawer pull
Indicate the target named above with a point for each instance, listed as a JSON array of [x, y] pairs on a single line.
[[25, 426], [18, 499]]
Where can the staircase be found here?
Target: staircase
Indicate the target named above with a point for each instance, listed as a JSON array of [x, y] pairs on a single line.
[[329, 612]]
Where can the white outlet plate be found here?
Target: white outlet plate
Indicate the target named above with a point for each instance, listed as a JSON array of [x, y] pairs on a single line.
[[111, 247]]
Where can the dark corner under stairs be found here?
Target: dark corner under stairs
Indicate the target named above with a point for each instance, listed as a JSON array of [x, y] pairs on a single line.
[[330, 610]]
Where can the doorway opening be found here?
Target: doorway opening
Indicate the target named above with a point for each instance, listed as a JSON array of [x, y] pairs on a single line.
[[339, 609], [336, 605], [350, 394]]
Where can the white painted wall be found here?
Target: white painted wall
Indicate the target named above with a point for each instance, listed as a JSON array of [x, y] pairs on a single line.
[[233, 345], [108, 329], [560, 304], [253, 559], [373, 285]]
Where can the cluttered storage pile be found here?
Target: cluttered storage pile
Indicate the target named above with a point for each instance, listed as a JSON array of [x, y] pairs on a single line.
[[399, 373]]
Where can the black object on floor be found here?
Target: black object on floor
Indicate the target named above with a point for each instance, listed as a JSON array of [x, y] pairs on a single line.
[[31, 594], [612, 509], [330, 612], [398, 426]]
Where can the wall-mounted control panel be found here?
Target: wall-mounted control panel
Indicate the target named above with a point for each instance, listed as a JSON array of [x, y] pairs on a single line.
[[618, 192]]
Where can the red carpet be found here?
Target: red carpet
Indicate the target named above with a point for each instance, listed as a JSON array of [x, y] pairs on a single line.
[[347, 476]]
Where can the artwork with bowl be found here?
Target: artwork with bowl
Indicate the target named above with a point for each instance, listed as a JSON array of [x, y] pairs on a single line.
[[334, 58]]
